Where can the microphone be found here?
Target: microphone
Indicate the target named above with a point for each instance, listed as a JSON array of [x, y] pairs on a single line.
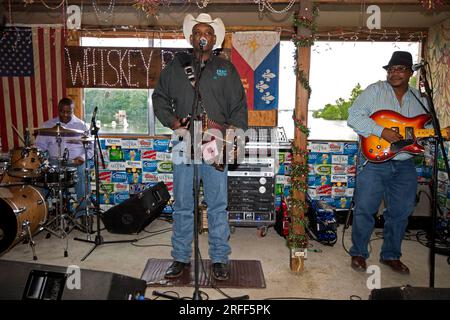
[[94, 114], [418, 66], [203, 42]]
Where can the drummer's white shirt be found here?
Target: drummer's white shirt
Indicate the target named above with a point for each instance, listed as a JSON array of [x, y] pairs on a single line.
[[49, 143]]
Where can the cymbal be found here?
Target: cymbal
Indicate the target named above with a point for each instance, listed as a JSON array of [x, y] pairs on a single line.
[[59, 129], [83, 139]]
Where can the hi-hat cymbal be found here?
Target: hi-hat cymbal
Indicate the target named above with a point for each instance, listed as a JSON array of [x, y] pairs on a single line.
[[59, 129]]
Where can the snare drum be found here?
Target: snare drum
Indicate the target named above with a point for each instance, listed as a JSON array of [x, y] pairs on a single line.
[[20, 206], [25, 162], [50, 178]]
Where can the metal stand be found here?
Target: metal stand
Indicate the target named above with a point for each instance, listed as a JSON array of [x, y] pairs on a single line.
[[87, 198], [61, 217], [98, 237], [26, 227], [438, 141]]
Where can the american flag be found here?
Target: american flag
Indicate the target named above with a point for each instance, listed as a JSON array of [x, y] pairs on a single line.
[[32, 79]]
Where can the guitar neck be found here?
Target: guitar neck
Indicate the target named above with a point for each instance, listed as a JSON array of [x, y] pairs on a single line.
[[424, 133]]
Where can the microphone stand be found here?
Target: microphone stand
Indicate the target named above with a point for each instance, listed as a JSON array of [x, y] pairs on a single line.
[[196, 184], [98, 237], [196, 145], [438, 141]]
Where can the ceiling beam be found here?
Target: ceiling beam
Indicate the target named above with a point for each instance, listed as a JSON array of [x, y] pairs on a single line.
[[53, 3]]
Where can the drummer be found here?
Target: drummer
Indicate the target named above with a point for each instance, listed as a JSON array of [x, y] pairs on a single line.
[[76, 155]]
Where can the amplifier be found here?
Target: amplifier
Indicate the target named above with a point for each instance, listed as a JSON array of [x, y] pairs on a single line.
[[251, 200], [249, 219], [253, 167]]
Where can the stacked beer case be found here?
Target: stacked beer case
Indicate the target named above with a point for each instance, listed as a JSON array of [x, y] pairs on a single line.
[[132, 166]]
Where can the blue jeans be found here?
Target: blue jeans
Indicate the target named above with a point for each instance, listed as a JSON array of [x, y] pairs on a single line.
[[215, 192], [396, 182]]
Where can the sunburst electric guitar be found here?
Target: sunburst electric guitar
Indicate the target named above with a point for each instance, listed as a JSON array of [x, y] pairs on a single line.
[[377, 149]]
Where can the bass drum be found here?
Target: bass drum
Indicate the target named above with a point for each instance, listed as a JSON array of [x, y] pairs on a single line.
[[20, 206]]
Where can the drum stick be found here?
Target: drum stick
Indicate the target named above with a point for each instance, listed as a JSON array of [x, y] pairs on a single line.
[[18, 134]]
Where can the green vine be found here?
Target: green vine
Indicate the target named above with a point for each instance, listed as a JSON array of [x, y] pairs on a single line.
[[297, 240], [302, 152], [300, 205], [297, 237], [299, 185], [306, 22], [303, 80], [299, 124], [309, 24], [298, 170]]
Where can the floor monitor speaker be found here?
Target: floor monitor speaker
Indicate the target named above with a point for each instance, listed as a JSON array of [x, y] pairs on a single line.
[[410, 293], [134, 214], [33, 281]]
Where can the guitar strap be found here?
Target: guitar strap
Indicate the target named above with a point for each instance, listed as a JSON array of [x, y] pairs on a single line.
[[186, 62], [420, 102]]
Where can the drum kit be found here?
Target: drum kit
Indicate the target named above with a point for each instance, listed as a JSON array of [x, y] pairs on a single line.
[[34, 194]]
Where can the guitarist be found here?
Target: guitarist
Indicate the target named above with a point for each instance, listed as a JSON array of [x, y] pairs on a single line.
[[222, 99], [394, 180]]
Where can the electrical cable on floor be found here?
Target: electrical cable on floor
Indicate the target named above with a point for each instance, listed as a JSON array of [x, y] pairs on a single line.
[[442, 245], [161, 230], [153, 234], [208, 276], [167, 292], [150, 245]]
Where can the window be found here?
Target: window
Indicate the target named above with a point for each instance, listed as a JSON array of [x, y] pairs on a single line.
[[120, 111], [125, 111], [336, 68]]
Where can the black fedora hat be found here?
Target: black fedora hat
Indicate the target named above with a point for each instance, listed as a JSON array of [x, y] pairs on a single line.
[[400, 58]]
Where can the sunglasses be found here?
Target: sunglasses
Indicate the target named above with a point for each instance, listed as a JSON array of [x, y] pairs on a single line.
[[398, 69]]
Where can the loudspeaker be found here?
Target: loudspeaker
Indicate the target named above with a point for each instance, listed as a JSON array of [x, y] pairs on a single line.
[[24, 280], [410, 293], [134, 214]]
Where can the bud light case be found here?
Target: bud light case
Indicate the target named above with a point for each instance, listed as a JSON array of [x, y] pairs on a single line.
[[134, 175]]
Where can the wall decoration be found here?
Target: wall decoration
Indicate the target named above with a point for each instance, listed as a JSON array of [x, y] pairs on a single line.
[[256, 55], [34, 82]]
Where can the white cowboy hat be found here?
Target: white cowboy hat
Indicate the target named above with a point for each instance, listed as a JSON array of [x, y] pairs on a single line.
[[217, 24]]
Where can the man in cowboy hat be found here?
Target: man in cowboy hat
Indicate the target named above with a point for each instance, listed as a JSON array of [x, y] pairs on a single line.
[[222, 98], [394, 180]]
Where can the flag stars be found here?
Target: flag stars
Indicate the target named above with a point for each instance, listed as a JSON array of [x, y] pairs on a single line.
[[253, 44]]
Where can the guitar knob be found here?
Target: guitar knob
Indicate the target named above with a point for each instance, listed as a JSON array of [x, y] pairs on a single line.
[[378, 147], [371, 150]]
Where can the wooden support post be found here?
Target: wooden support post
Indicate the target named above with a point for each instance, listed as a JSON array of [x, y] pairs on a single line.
[[73, 39], [298, 230]]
